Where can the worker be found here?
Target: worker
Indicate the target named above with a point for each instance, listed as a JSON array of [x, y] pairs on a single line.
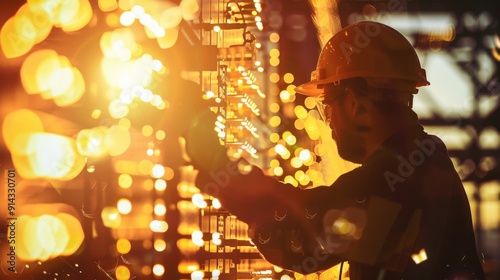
[[402, 214]]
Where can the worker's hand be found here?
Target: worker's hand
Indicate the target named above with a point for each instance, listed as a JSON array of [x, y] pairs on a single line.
[[203, 145]]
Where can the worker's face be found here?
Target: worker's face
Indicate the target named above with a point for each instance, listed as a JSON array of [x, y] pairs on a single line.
[[345, 131]]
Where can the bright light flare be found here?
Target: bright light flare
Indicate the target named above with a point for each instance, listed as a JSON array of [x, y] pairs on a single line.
[[15, 44], [127, 18], [124, 206], [116, 140], [17, 125], [197, 275], [122, 273], [169, 39], [160, 209], [107, 5], [111, 217], [190, 9], [158, 226], [158, 270], [420, 256], [40, 22], [30, 66], [81, 19], [160, 245], [170, 17], [158, 171], [46, 155], [123, 246], [48, 236], [198, 200]]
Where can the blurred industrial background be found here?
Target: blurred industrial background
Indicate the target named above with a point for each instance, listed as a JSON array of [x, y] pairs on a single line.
[[95, 95]]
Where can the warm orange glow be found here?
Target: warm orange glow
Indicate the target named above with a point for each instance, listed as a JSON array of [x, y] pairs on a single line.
[[125, 181], [274, 137], [40, 22], [90, 142], [147, 130], [30, 69], [311, 128], [124, 206], [49, 156], [300, 112], [275, 121], [274, 53], [116, 140], [111, 217], [123, 246], [160, 185], [310, 102], [122, 273], [285, 96], [277, 171], [74, 92], [420, 256], [190, 9], [305, 155], [160, 245], [158, 226], [274, 77], [296, 162], [47, 236], [170, 17], [81, 19], [199, 274], [158, 270], [160, 209], [169, 39], [145, 167], [274, 37], [198, 200], [53, 77], [157, 171], [16, 128], [291, 139], [107, 5], [288, 78], [188, 266], [75, 232], [146, 270], [290, 180], [15, 44]]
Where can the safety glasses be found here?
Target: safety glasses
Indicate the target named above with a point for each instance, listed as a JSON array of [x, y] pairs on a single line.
[[325, 102]]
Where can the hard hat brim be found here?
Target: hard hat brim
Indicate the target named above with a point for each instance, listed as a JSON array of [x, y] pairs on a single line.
[[309, 89]]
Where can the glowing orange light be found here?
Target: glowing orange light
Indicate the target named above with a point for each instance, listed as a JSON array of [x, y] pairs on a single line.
[[81, 19], [116, 140], [190, 9], [111, 217], [40, 22], [160, 245], [158, 226], [169, 39], [15, 44], [123, 246], [158, 270], [420, 256], [122, 273], [124, 206]]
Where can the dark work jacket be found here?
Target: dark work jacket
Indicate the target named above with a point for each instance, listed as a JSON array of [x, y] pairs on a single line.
[[405, 200]]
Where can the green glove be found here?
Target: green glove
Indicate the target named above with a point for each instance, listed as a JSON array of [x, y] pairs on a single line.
[[203, 145]]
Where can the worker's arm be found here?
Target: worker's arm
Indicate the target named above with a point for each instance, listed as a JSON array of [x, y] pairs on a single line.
[[297, 228]]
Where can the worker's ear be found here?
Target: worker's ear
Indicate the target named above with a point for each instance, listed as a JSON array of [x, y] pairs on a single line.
[[357, 104]]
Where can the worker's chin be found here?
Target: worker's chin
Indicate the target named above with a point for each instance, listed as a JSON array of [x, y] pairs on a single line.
[[351, 152]]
